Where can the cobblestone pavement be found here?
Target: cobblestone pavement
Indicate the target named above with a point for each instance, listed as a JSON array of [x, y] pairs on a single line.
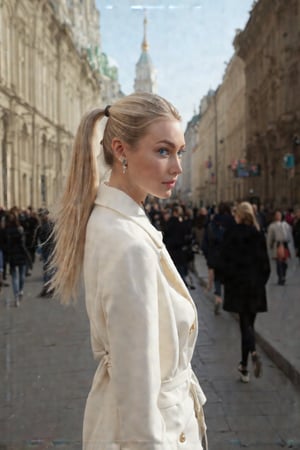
[[277, 330], [46, 368]]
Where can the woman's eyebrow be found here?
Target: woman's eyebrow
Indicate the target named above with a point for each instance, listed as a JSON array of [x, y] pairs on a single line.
[[170, 143]]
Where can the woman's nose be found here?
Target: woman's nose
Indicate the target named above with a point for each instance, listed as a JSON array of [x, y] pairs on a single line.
[[176, 167]]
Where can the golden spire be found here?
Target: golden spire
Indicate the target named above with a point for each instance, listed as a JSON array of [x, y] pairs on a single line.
[[145, 44]]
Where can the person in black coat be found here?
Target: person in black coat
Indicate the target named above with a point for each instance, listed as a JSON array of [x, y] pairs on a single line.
[[245, 269], [211, 246], [174, 239], [18, 256], [30, 224], [296, 232]]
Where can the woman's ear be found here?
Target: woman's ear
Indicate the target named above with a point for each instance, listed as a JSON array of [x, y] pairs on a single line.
[[118, 148]]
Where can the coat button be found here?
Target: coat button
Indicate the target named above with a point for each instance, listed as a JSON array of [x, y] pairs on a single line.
[[182, 438]]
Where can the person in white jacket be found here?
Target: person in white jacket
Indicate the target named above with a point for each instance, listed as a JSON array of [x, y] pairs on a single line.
[[143, 321], [280, 235]]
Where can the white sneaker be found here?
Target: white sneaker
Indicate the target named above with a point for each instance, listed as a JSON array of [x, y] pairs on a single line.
[[244, 374]]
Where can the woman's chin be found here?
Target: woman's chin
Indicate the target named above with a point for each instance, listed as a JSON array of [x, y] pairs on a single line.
[[166, 194]]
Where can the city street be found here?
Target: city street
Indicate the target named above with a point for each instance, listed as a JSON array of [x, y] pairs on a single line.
[[87, 88], [46, 369]]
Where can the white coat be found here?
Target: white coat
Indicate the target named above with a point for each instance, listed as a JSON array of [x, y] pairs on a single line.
[[280, 232], [143, 324]]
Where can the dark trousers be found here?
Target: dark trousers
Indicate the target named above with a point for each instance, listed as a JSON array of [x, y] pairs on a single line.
[[247, 320], [182, 270], [218, 287], [281, 268]]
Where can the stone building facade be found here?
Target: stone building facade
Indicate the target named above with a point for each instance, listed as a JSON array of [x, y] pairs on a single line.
[[184, 185], [248, 145], [269, 47], [203, 156], [215, 139], [50, 74], [230, 140]]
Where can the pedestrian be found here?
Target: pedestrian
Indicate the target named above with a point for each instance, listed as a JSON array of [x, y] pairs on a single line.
[[289, 216], [281, 245], [245, 270], [31, 223], [296, 231], [190, 247], [155, 216], [260, 217], [18, 256], [174, 239], [211, 247], [3, 223], [142, 317], [200, 223], [44, 238], [2, 247]]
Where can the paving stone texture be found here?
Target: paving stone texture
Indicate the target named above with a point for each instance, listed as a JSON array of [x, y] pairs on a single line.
[[46, 369]]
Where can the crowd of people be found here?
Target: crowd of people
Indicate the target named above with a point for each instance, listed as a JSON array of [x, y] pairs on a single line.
[[24, 233], [186, 231], [237, 241], [143, 319]]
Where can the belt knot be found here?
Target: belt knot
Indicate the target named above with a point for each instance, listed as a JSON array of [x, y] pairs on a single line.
[[106, 361]]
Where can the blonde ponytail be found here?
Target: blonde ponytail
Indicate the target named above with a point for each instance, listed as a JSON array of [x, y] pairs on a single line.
[[74, 211], [128, 119], [245, 212]]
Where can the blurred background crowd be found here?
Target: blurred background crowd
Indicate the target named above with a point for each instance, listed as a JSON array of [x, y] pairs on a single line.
[[26, 234]]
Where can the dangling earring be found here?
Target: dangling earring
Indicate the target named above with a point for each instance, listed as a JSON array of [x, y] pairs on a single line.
[[124, 165]]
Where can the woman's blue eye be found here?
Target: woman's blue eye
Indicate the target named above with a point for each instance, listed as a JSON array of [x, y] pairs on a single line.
[[163, 151], [180, 153]]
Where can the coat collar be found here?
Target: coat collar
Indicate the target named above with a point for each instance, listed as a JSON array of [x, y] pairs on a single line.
[[117, 200]]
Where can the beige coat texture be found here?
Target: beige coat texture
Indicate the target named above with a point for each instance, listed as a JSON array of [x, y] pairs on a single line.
[[143, 323]]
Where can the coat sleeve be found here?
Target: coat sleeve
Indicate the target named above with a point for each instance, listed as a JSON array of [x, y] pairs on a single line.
[[263, 259], [270, 238], [131, 308]]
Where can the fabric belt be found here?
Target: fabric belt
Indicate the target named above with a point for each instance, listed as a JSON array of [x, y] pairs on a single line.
[[174, 391]]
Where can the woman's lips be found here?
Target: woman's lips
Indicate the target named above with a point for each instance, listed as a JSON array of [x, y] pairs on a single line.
[[170, 184]]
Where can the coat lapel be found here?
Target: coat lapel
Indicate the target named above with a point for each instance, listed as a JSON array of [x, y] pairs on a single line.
[[120, 202], [117, 200]]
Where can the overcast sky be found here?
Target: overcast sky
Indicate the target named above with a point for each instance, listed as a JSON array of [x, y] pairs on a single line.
[[190, 42]]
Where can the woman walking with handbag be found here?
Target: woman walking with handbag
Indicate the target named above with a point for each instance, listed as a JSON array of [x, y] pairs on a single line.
[[143, 320], [281, 245], [245, 269]]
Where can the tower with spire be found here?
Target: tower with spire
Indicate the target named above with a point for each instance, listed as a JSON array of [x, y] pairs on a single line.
[[145, 73]]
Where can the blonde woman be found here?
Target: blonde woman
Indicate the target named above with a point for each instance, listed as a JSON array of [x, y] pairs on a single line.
[[143, 321], [245, 271]]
